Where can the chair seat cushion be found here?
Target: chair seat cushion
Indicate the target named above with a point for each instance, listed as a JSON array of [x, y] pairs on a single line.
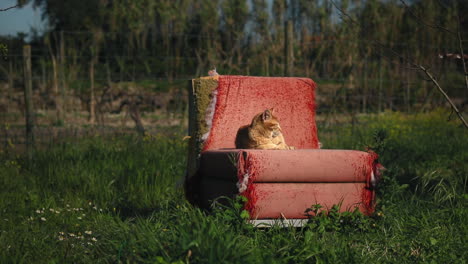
[[303, 165]]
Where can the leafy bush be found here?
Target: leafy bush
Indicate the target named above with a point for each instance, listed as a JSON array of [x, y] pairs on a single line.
[[333, 220]]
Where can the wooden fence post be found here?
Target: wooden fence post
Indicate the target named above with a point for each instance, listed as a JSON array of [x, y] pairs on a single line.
[[288, 48], [10, 86], [63, 81], [380, 85], [408, 94], [28, 100], [365, 87]]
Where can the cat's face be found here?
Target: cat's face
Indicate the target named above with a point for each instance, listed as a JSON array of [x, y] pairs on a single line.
[[270, 122]]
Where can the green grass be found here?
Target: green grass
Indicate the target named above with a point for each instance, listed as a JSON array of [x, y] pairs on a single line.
[[120, 200]]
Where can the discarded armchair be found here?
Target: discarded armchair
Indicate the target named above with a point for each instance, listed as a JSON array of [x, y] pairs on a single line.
[[276, 183]]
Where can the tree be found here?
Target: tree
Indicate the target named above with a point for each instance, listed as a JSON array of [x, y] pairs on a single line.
[[234, 19]]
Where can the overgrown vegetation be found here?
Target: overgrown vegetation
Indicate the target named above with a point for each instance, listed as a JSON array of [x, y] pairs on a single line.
[[111, 200]]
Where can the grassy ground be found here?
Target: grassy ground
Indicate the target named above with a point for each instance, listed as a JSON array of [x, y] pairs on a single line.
[[119, 200]]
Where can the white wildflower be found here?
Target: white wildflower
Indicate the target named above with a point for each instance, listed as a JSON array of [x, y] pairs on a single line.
[[88, 232], [94, 239], [79, 218], [43, 219]]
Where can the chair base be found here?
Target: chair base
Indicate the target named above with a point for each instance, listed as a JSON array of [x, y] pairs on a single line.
[[284, 183]]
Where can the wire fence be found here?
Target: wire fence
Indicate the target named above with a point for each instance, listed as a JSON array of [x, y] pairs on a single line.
[[62, 81], [13, 138]]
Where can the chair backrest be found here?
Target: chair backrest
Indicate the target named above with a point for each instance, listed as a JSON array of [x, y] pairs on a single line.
[[237, 99], [219, 106]]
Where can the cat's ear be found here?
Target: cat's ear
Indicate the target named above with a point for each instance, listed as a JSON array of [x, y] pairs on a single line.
[[272, 110], [266, 115]]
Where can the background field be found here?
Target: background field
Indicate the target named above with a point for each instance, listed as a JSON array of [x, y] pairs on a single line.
[[119, 199]]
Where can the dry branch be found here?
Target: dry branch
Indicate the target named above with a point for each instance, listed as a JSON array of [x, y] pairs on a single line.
[[434, 81], [8, 8]]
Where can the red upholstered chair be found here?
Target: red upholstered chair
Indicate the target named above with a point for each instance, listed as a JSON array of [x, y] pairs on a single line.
[[277, 183]]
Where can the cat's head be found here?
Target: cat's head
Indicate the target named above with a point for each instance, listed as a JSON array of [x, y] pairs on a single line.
[[268, 121]]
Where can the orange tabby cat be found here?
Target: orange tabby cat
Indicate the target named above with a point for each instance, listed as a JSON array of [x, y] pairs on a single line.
[[263, 133]]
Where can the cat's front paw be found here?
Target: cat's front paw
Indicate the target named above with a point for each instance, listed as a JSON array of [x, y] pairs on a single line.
[[291, 147]]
